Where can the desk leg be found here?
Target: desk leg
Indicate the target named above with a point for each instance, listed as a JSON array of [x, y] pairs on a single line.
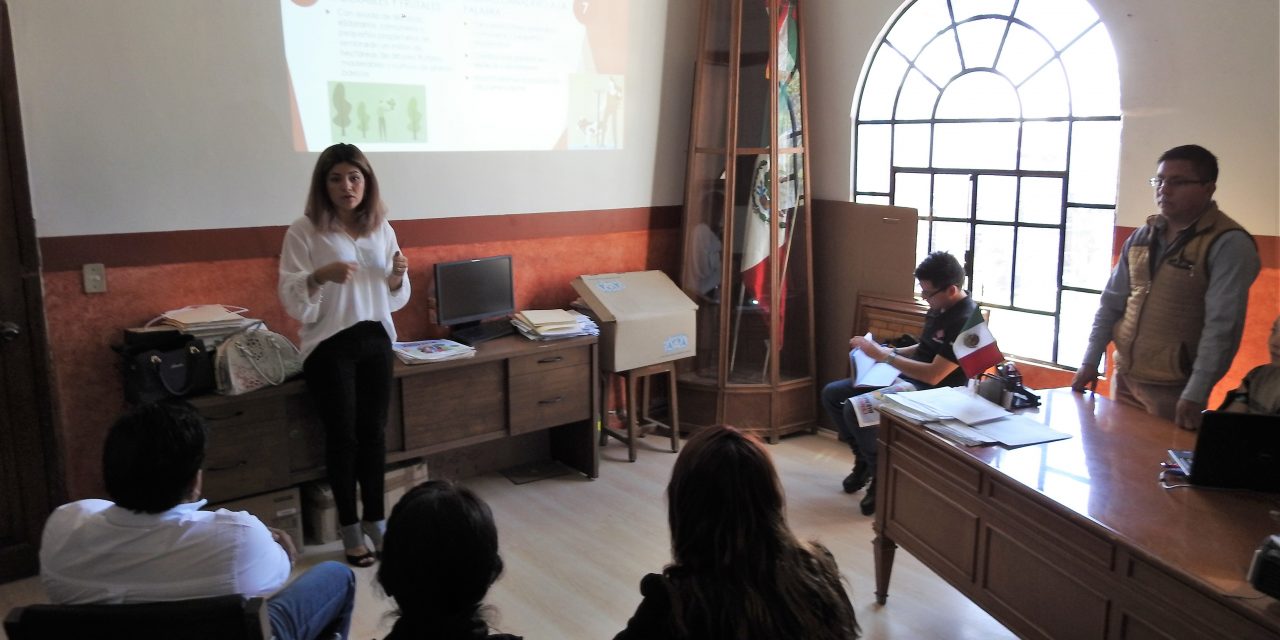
[[884, 547]]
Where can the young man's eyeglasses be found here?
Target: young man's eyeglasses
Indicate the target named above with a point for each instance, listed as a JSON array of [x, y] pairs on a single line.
[[1172, 183], [925, 295]]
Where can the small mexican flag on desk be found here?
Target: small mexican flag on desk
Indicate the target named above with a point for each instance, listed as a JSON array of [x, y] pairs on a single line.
[[976, 347]]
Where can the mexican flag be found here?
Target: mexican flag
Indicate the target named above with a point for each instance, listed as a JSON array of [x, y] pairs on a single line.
[[975, 347], [755, 245]]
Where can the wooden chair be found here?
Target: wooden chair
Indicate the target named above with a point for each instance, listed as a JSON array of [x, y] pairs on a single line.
[[230, 617], [638, 417]]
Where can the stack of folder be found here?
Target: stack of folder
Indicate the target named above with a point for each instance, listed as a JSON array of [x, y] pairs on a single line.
[[211, 323], [553, 324]]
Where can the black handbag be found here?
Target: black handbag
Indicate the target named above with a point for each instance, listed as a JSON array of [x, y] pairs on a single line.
[[166, 364]]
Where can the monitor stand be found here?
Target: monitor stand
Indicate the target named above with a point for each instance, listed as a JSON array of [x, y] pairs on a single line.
[[473, 333]]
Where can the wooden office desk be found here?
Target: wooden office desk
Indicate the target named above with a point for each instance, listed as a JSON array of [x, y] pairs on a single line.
[[1076, 538], [539, 398]]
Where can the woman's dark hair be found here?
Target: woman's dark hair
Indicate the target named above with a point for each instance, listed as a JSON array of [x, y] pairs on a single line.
[[439, 557], [941, 269], [152, 455], [737, 569], [320, 210]]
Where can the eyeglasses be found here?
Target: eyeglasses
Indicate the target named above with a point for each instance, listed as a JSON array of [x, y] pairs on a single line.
[[925, 295], [1172, 183]]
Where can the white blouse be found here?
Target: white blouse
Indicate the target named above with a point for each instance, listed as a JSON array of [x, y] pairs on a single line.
[[335, 306]]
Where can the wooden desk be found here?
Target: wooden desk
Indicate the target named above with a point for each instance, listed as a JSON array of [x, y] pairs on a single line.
[[513, 387], [1076, 538]]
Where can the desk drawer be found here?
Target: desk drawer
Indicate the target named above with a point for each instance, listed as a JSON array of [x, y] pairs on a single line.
[[246, 449], [453, 404], [550, 398], [546, 361]]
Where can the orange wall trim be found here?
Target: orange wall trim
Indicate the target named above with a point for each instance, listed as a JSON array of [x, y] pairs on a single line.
[[68, 253]]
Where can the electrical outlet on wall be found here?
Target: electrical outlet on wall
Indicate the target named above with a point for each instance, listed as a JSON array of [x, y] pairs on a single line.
[[95, 278]]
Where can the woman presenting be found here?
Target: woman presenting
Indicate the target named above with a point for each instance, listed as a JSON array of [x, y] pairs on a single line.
[[341, 275]]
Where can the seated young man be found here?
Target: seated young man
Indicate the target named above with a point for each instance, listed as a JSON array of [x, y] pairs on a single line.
[[927, 364], [152, 543]]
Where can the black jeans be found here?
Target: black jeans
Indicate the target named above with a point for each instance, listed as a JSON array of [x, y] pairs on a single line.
[[349, 378]]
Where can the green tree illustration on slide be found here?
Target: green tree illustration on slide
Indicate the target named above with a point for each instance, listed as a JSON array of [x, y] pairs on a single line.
[[362, 115], [341, 108], [415, 117]]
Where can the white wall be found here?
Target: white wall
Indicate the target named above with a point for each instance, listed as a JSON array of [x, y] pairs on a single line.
[[1191, 71], [156, 115]]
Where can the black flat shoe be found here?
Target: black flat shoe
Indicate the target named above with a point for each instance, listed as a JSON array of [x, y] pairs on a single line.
[[365, 559]]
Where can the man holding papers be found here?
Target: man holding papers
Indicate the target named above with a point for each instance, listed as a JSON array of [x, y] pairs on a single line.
[[930, 363]]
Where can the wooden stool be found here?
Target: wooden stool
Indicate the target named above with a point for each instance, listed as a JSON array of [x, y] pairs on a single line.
[[639, 419]]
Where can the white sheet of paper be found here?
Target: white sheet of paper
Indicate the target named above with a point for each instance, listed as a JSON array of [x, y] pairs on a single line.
[[868, 372]]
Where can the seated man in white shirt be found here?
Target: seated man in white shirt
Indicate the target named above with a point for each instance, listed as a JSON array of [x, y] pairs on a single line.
[[153, 543]]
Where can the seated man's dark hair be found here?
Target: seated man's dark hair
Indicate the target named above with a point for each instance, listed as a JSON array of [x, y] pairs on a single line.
[[439, 557], [941, 269], [152, 455], [1205, 163]]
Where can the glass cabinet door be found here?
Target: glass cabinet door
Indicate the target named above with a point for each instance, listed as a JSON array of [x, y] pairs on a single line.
[[746, 230]]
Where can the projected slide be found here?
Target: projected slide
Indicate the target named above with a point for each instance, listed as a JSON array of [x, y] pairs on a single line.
[[457, 75]]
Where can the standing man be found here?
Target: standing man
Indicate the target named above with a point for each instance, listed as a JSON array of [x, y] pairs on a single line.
[[152, 543], [1176, 300], [929, 363]]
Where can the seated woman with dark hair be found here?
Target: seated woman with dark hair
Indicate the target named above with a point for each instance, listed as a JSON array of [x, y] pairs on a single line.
[[737, 570], [439, 558]]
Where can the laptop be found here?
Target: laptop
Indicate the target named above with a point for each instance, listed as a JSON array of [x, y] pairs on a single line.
[[1234, 450]]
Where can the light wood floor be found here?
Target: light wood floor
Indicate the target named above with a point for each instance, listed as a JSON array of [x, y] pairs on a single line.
[[575, 551]]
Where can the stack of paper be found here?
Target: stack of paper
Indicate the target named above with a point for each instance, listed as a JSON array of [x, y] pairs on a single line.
[[212, 323], [423, 351], [968, 419], [553, 324]]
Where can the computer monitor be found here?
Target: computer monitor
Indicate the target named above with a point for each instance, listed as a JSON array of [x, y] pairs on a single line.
[[468, 291]]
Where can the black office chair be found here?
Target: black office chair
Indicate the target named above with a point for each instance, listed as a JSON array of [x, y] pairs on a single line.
[[231, 617]]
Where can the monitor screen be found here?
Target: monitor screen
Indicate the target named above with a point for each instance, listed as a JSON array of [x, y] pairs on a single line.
[[472, 290]]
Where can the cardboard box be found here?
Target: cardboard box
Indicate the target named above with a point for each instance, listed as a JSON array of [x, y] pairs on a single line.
[[320, 516], [278, 509], [644, 318]]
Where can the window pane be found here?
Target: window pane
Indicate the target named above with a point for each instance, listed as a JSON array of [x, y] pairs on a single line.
[[1040, 201], [911, 145], [976, 145], [881, 87], [788, 64], [951, 236], [1087, 262], [968, 8], [918, 98], [865, 199], [793, 363], [1045, 94], [980, 39], [1094, 75], [1035, 281], [1024, 52], [918, 25], [996, 198], [1024, 334], [992, 264], [1077, 320], [951, 196], [922, 241], [940, 60], [979, 95], [912, 190], [1044, 146], [1059, 20], [1095, 150], [873, 157]]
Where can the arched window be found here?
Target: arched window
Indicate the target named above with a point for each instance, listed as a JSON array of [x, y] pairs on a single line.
[[999, 121]]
